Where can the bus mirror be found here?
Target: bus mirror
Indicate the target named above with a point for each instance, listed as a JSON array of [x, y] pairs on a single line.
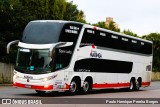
[[66, 44], [11, 43], [54, 46]]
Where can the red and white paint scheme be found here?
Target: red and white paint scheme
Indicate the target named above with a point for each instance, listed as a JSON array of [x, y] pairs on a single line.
[[56, 55]]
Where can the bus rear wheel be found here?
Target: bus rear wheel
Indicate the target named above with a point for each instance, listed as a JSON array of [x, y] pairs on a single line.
[[134, 85], [86, 87], [138, 84]]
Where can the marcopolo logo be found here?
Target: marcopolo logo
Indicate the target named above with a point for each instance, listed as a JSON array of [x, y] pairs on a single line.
[[95, 54]]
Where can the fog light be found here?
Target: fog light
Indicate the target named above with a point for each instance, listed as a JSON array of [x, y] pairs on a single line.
[[64, 86], [14, 83]]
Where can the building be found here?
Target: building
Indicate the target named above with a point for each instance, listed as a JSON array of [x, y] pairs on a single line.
[[109, 20]]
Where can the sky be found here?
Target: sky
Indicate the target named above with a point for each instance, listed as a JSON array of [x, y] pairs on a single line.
[[140, 16]]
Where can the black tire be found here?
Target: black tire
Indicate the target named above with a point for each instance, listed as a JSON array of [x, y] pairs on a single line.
[[138, 84], [132, 86], [40, 92], [86, 87], [73, 87]]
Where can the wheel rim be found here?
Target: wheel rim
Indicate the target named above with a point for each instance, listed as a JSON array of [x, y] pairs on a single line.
[[131, 85], [73, 87], [137, 85], [85, 86]]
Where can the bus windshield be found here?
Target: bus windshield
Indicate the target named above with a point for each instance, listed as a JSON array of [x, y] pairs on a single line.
[[33, 61]]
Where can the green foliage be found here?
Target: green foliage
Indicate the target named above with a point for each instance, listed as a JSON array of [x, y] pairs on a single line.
[[100, 24], [110, 26], [155, 38], [113, 27], [128, 32], [15, 14], [10, 11]]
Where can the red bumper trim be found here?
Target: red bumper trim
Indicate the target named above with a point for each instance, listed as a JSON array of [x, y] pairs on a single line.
[[146, 83], [36, 87]]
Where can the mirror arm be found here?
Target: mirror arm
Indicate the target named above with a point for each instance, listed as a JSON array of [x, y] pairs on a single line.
[[54, 46], [11, 43]]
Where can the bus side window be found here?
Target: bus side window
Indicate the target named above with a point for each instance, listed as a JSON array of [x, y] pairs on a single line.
[[88, 37]]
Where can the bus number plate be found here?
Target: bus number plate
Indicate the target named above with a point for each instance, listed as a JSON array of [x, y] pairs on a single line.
[[28, 86]]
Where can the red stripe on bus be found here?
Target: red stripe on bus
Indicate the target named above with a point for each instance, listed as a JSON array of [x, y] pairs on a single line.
[[36, 87], [111, 85], [146, 83], [66, 87]]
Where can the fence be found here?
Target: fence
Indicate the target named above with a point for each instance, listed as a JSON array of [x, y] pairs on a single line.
[[6, 73], [155, 75]]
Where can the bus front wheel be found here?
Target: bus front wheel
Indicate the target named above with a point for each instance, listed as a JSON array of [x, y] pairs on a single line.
[[73, 87]]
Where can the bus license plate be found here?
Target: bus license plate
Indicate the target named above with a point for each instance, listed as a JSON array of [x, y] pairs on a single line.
[[28, 86], [57, 86]]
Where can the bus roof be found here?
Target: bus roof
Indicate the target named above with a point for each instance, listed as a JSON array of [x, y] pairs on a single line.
[[62, 22], [59, 21]]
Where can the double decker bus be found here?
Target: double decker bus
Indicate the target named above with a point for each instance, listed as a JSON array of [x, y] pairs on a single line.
[[55, 55]]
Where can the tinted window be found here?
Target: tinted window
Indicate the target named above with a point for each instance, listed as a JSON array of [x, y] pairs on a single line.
[[70, 33], [103, 65], [42, 32], [114, 41]]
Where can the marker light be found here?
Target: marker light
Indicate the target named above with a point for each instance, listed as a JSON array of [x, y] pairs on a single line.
[[95, 28], [93, 46]]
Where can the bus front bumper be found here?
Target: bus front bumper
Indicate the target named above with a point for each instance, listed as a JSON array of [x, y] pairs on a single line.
[[42, 87], [36, 87]]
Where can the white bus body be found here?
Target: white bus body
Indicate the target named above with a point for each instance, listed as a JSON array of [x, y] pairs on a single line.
[[95, 59]]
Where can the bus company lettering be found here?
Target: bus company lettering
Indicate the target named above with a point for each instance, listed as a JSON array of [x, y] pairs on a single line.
[[83, 70], [95, 54], [65, 51], [72, 29]]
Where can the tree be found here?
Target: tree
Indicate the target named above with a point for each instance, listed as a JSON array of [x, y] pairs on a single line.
[[11, 24], [155, 38], [110, 26], [73, 14], [81, 17], [15, 14], [100, 24], [129, 32]]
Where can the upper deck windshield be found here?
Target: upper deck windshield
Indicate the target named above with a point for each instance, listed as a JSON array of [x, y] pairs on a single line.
[[42, 32], [33, 61]]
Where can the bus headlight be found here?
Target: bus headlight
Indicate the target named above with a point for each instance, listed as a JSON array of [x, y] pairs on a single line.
[[48, 78], [15, 75]]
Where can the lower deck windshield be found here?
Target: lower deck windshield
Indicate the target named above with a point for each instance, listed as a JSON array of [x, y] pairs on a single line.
[[33, 61]]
